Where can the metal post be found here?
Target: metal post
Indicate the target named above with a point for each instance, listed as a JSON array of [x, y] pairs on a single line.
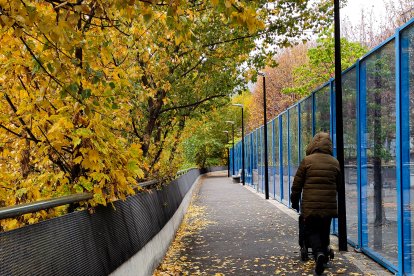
[[265, 139], [243, 173], [266, 163], [228, 153], [232, 129], [228, 162], [233, 153], [242, 150], [342, 235]]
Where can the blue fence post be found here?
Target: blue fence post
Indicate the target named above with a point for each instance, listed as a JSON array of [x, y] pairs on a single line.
[[261, 157], [231, 157], [257, 134], [236, 158], [399, 165], [402, 69], [289, 157], [253, 153], [273, 159], [281, 157], [332, 111], [246, 153], [362, 153], [332, 131], [358, 134], [251, 158], [257, 156]]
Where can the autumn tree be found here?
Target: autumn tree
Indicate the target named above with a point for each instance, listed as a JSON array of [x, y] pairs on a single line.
[[277, 79], [96, 94], [321, 63]]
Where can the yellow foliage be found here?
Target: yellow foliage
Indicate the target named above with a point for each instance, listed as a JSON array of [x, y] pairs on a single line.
[[9, 224], [74, 79]]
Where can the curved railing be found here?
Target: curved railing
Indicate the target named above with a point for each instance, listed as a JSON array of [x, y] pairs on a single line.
[[97, 243], [21, 209]]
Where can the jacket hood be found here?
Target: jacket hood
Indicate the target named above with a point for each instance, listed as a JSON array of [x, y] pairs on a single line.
[[320, 143]]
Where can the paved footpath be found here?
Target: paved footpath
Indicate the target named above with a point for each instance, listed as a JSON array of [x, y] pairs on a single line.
[[248, 235]]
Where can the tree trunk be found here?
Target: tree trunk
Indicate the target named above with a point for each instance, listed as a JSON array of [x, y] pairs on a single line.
[[377, 163]]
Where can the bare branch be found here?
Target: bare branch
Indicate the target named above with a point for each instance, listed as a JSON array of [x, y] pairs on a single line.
[[192, 68], [20, 118], [61, 162], [11, 131], [231, 40]]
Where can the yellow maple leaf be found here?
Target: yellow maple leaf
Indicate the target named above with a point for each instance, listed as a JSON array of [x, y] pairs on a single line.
[[93, 155]]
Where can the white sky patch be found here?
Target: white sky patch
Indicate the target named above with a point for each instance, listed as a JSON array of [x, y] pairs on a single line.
[[373, 9]]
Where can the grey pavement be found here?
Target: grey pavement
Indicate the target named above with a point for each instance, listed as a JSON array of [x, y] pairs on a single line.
[[249, 235]]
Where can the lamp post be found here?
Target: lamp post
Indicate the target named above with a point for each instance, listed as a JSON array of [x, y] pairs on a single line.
[[243, 173], [266, 163], [232, 129], [228, 156], [342, 235]]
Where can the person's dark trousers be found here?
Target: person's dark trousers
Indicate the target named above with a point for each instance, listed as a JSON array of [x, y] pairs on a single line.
[[302, 233], [319, 231]]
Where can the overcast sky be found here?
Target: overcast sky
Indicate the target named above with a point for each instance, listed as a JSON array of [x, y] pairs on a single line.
[[354, 7]]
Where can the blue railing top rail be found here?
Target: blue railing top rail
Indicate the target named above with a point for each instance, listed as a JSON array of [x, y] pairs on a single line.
[[21, 209]]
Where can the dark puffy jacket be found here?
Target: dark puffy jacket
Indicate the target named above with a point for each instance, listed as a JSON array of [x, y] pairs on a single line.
[[317, 176]]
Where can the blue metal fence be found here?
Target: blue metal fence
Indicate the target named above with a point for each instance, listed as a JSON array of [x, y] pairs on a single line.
[[378, 104]]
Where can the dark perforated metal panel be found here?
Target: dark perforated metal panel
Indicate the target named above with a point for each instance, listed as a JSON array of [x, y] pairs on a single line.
[[92, 244]]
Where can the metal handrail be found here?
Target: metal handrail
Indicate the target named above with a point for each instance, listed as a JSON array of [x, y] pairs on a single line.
[[181, 172], [148, 183], [21, 209]]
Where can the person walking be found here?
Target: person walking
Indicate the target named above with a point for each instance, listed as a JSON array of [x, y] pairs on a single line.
[[315, 188]]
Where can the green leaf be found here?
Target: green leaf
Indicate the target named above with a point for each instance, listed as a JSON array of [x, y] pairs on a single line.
[[84, 132], [133, 167], [50, 67], [147, 17], [87, 185], [86, 93], [21, 192], [76, 141], [73, 87], [78, 188], [95, 80], [63, 93]]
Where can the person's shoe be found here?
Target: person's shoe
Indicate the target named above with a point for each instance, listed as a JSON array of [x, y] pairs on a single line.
[[320, 259], [304, 254]]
